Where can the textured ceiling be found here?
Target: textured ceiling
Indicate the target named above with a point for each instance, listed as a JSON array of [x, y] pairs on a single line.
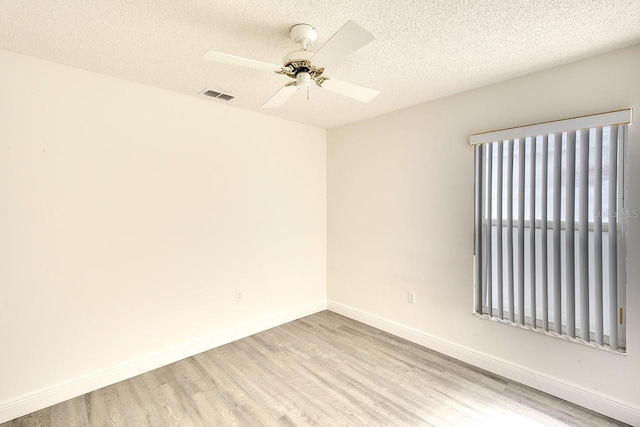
[[423, 49]]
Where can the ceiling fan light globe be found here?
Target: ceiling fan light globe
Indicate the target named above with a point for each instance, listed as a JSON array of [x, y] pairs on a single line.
[[303, 80]]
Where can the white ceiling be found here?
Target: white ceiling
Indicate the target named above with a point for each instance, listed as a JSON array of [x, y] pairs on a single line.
[[423, 49]]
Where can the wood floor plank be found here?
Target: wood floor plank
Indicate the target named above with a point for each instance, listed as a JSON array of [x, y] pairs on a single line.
[[103, 408], [172, 411], [244, 408], [36, 419], [206, 396], [71, 413], [137, 407], [302, 387], [305, 410], [321, 370], [261, 391]]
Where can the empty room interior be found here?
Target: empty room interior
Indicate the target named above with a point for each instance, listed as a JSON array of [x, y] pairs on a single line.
[[383, 213]]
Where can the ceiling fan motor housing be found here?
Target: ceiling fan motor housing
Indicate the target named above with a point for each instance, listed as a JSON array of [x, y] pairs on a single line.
[[297, 56], [299, 61]]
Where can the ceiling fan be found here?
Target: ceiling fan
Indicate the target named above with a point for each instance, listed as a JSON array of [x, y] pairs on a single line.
[[298, 64]]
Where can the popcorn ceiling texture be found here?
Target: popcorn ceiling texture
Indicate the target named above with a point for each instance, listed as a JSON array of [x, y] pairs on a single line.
[[423, 49]]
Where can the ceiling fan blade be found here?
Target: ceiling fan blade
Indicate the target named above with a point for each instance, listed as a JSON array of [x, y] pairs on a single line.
[[280, 97], [346, 40], [225, 58], [352, 90]]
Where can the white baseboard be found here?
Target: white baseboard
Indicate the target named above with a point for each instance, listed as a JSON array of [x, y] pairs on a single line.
[[76, 387], [614, 408]]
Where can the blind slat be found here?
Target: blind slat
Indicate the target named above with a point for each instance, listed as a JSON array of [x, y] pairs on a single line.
[[510, 273], [499, 266], [543, 241], [613, 237], [597, 240], [557, 233], [478, 225], [489, 229], [583, 238], [532, 232], [570, 235], [521, 198]]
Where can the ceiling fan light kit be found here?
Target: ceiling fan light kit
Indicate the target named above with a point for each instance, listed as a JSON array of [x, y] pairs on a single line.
[[303, 80], [298, 64]]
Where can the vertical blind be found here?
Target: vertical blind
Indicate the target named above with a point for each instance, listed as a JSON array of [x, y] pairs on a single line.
[[549, 227]]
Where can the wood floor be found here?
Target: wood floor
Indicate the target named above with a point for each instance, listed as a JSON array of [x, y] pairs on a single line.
[[322, 370]]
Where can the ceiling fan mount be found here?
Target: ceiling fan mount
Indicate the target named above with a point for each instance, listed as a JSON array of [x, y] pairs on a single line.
[[298, 64], [304, 34]]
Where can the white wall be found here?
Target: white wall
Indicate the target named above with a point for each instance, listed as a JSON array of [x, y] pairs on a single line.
[[400, 218], [129, 216]]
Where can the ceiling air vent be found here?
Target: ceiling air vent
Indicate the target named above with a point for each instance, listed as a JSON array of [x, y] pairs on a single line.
[[219, 95]]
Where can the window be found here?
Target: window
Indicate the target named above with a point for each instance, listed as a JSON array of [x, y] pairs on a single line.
[[549, 227]]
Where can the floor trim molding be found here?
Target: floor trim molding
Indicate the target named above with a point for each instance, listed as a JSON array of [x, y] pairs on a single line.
[[76, 387], [598, 402]]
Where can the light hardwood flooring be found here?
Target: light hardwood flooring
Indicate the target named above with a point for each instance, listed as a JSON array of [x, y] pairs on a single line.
[[322, 370]]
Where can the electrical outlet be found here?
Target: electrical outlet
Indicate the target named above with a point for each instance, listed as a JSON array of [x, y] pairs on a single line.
[[411, 297], [238, 296]]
